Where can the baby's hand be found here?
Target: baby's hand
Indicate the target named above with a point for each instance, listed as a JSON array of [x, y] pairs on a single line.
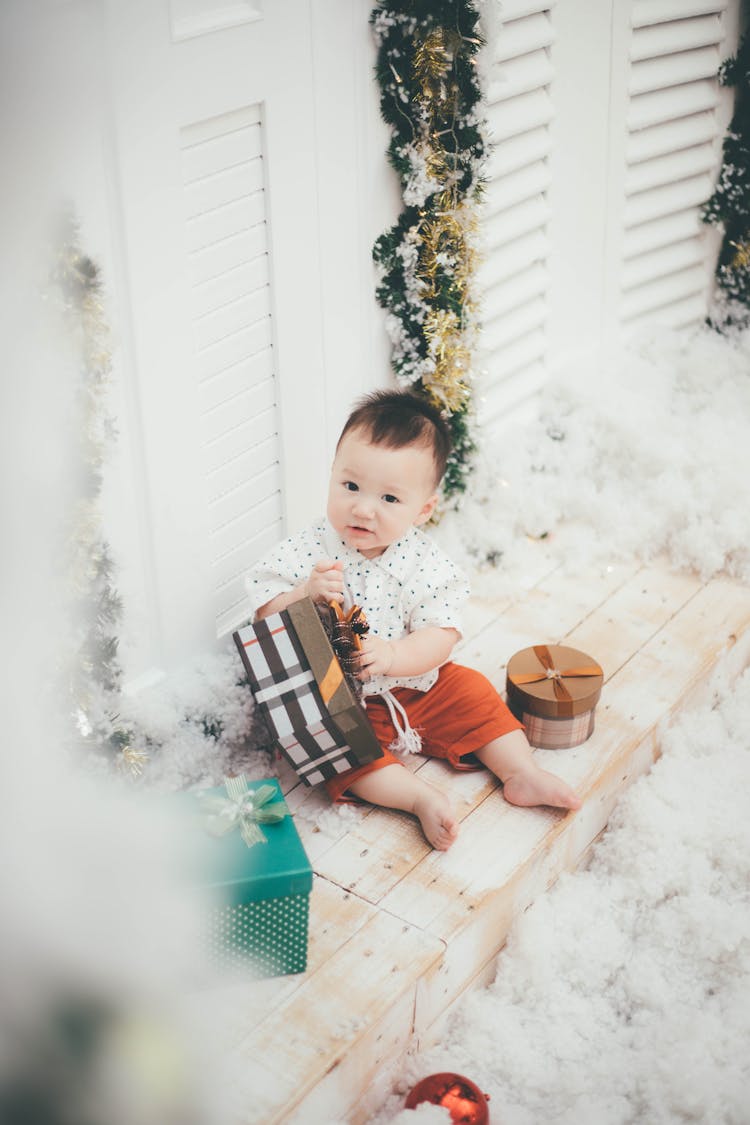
[[376, 657], [326, 581]]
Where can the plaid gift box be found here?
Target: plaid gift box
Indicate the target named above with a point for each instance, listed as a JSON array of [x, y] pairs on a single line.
[[248, 854], [299, 687], [554, 690]]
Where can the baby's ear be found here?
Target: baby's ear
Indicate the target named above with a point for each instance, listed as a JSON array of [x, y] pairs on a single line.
[[427, 510]]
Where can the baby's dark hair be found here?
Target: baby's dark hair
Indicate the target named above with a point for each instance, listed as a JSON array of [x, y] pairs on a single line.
[[397, 419]]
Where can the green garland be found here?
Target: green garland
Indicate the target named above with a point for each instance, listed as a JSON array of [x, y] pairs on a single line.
[[95, 674], [94, 671], [431, 99], [729, 206]]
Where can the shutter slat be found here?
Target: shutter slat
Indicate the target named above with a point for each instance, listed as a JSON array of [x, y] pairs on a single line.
[[210, 296], [513, 258], [523, 36], [519, 355], [670, 137], [213, 262], [260, 457], [663, 292], [528, 111], [235, 348], [226, 220], [245, 435], [645, 13], [230, 598], [519, 76], [223, 187], [661, 263], [249, 372], [246, 405], [666, 200], [687, 313], [215, 128], [671, 168], [504, 399], [663, 231], [501, 332], [241, 313], [252, 546], [512, 189], [234, 535], [509, 156], [217, 153], [674, 70], [245, 497], [508, 294], [507, 225], [668, 38], [671, 104], [517, 9]]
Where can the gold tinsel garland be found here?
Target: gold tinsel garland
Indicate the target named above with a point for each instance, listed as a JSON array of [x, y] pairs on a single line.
[[741, 259], [447, 235]]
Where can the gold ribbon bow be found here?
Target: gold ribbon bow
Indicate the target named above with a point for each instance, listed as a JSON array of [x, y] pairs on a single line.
[[549, 672], [346, 635]]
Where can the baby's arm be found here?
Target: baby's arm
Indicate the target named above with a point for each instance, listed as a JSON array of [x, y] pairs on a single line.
[[325, 584], [419, 652]]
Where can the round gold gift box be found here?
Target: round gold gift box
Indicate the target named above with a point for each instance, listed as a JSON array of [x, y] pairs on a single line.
[[553, 690]]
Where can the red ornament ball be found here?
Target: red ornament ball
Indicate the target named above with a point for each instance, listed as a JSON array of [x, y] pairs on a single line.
[[465, 1101]]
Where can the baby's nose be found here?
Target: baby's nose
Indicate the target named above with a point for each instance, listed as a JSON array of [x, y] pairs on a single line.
[[363, 505]]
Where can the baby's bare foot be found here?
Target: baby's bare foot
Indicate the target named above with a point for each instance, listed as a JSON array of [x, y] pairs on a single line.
[[436, 817], [535, 786]]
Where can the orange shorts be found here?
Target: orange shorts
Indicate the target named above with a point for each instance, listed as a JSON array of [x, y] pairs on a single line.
[[461, 713]]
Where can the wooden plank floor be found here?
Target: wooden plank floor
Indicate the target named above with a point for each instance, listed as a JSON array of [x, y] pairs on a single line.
[[399, 932]]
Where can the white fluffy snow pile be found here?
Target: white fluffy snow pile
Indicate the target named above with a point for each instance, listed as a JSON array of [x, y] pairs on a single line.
[[197, 724], [623, 995], [649, 456]]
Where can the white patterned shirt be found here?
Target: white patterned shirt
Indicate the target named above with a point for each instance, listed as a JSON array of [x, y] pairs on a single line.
[[411, 585]]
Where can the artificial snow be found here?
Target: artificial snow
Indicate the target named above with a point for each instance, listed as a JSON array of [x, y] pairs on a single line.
[[623, 994], [647, 457], [198, 724]]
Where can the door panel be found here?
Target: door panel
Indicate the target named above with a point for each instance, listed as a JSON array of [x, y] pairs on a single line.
[[215, 151]]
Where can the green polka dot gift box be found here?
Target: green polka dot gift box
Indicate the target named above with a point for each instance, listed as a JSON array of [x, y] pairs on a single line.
[[250, 856]]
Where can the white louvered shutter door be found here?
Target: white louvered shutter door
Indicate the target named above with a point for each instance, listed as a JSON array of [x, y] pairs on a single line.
[[220, 251], [228, 255], [673, 146], [513, 276]]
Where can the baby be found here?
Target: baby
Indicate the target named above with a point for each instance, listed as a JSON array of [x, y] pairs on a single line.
[[389, 462]]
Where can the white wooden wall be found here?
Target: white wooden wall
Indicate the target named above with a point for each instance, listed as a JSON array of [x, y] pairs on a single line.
[[607, 120], [244, 182]]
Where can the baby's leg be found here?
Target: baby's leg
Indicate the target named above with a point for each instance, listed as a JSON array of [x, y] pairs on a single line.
[[524, 782], [398, 788]]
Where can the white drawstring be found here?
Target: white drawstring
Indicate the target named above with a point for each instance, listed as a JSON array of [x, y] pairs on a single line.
[[407, 740]]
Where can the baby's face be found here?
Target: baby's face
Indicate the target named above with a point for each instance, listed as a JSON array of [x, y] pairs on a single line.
[[376, 494]]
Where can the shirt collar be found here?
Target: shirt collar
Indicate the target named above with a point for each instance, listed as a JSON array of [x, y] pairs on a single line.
[[397, 559]]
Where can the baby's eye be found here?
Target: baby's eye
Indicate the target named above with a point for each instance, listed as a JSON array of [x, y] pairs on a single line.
[[351, 486], [389, 499]]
